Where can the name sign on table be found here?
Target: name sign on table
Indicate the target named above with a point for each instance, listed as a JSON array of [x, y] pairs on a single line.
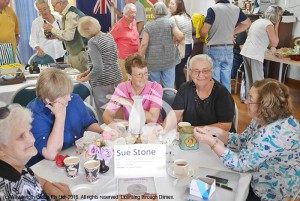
[[140, 160]]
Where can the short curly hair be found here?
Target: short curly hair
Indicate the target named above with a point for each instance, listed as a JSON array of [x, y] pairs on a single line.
[[134, 60], [274, 100]]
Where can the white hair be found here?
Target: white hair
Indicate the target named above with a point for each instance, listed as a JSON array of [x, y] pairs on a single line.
[[202, 57], [11, 118], [128, 7]]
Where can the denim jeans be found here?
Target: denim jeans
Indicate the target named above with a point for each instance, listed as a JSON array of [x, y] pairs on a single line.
[[167, 77], [222, 57]]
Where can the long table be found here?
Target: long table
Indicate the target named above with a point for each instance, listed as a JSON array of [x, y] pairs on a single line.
[[107, 183], [271, 57]]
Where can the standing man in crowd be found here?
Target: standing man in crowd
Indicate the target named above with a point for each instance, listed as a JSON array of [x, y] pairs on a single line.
[[140, 17], [9, 23], [75, 43], [220, 25]]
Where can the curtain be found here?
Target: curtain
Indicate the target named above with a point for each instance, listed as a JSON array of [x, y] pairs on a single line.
[[26, 14]]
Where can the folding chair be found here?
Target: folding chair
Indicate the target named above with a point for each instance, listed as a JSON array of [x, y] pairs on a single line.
[[167, 101], [84, 90], [24, 95]]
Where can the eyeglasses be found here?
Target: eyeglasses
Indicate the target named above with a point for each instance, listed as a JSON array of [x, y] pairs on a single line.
[[4, 112], [140, 75], [249, 102], [197, 72]]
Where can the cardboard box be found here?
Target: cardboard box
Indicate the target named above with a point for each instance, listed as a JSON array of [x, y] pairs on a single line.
[[203, 187]]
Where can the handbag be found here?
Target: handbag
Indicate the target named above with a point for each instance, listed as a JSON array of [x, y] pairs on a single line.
[[181, 44], [6, 54]]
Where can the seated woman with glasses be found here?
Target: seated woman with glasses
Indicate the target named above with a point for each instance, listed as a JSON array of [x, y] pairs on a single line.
[[269, 148], [202, 101], [59, 117], [16, 148], [138, 85]]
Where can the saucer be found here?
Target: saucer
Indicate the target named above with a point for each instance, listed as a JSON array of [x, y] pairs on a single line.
[[172, 173], [83, 189]]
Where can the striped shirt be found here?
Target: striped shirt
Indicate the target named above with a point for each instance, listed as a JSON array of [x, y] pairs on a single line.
[[104, 55], [184, 24]]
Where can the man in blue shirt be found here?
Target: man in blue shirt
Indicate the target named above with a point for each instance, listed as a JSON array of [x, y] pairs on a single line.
[[223, 21]]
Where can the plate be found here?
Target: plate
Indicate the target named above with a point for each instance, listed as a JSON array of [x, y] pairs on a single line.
[[83, 190], [172, 173]]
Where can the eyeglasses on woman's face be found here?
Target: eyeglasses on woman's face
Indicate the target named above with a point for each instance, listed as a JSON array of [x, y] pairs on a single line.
[[141, 75], [196, 72]]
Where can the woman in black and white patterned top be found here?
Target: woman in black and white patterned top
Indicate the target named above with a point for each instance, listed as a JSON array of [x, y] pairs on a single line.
[[105, 73], [16, 148], [184, 23]]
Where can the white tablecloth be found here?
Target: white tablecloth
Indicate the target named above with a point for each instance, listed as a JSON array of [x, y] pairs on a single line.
[[6, 91], [107, 184]]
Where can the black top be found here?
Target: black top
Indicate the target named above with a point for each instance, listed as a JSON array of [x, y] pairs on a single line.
[[240, 40], [217, 107], [19, 186]]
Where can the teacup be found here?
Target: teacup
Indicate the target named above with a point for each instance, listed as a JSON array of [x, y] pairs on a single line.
[[181, 167], [183, 124], [72, 166], [92, 170]]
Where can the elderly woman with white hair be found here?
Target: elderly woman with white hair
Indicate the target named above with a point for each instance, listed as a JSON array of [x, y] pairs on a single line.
[[262, 34], [126, 36], [159, 47], [202, 101], [105, 73], [38, 40], [16, 148]]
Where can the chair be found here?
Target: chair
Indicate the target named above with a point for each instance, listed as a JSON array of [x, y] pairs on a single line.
[[236, 117], [24, 95], [91, 110], [167, 101], [41, 60], [240, 70], [83, 90], [188, 69]]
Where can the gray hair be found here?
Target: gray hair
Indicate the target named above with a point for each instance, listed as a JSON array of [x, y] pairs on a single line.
[[14, 117], [128, 7], [201, 57], [271, 13], [37, 2], [88, 27], [160, 8]]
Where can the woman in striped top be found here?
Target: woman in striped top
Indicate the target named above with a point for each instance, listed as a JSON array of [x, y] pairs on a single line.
[[105, 73], [183, 22]]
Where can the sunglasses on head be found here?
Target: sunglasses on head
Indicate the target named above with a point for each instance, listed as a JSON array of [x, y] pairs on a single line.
[[4, 112]]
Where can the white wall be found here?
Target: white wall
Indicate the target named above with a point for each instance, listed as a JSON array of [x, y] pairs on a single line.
[[294, 7]]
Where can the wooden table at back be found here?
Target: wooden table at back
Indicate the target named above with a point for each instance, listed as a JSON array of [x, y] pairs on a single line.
[[271, 57], [167, 190]]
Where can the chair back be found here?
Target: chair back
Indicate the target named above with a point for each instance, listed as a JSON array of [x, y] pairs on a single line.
[[236, 117], [83, 90], [168, 100], [41, 60], [91, 111], [24, 95]]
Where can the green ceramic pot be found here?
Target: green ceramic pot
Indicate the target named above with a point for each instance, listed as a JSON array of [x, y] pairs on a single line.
[[187, 140]]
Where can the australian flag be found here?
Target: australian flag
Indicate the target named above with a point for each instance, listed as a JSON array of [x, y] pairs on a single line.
[[99, 9]]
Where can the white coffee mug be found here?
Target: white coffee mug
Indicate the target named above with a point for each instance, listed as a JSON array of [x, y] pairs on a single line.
[[181, 167]]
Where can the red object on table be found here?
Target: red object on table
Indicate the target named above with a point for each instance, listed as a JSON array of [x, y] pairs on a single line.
[[59, 159]]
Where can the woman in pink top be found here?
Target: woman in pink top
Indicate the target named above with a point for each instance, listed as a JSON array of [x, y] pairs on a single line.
[[126, 36], [138, 85]]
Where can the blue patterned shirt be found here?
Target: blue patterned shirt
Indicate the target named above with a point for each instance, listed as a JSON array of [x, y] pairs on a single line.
[[271, 153]]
